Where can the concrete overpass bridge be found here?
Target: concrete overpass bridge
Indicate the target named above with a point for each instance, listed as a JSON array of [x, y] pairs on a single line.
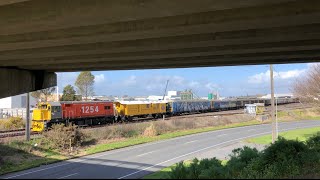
[[41, 37]]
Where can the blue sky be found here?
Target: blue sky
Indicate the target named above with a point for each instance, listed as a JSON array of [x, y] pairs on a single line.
[[228, 80]]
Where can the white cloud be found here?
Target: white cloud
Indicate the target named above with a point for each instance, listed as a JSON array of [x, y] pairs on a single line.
[[177, 80], [66, 78], [99, 78], [265, 77], [211, 86], [132, 80], [194, 84]]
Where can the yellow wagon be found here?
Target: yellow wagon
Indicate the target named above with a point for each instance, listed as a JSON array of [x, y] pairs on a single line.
[[127, 110]]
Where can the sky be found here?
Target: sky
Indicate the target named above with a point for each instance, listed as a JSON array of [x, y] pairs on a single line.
[[227, 80]]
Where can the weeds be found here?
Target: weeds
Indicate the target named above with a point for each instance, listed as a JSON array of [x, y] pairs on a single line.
[[12, 123], [63, 137]]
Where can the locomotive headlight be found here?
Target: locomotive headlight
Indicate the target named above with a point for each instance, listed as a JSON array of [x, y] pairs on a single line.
[[45, 124]]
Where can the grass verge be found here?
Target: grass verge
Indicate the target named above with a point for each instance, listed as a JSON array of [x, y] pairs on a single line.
[[163, 173], [141, 140], [300, 134]]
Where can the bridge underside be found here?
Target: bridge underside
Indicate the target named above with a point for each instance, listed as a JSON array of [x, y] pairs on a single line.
[[59, 36]]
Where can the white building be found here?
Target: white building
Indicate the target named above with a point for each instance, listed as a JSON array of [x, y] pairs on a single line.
[[156, 98], [268, 96], [174, 94], [16, 106], [19, 101]]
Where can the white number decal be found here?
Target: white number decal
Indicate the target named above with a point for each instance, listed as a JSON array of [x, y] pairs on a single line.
[[91, 109]]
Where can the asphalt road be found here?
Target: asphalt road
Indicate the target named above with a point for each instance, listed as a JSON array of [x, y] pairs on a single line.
[[138, 161]]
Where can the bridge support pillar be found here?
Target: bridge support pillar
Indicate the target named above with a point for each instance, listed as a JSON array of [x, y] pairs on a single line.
[[16, 81]]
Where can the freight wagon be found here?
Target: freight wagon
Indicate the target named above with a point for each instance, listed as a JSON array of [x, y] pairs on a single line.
[[127, 110], [188, 106]]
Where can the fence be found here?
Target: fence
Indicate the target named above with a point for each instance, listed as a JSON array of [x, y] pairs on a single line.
[[15, 112]]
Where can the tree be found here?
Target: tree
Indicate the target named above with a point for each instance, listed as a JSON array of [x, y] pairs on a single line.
[[85, 83], [43, 93], [307, 88], [69, 94]]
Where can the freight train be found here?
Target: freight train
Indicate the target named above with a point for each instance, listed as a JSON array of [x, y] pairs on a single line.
[[105, 112]]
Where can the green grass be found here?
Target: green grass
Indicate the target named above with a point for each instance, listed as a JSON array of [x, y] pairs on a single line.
[[141, 140], [10, 167], [300, 134], [22, 158], [163, 173]]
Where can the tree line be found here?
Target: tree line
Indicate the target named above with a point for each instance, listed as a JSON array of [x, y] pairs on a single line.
[[84, 86]]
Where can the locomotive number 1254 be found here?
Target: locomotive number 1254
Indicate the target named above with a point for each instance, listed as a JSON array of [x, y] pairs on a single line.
[[89, 109]]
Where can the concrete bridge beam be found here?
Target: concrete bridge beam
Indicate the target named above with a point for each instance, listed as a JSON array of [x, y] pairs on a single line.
[[16, 81]]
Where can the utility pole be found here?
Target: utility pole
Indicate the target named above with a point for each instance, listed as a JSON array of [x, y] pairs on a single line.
[[272, 105], [57, 93], [28, 118], [277, 130]]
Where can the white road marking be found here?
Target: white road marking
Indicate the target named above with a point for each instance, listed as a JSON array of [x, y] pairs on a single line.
[[251, 130], [221, 135], [145, 153], [67, 176], [190, 142], [202, 150]]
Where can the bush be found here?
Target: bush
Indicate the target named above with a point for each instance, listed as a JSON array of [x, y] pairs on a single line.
[[179, 172], [63, 137], [314, 142], [12, 123], [204, 169], [150, 131], [239, 159], [282, 159]]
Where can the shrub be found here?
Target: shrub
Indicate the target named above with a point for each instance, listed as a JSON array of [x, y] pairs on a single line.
[[12, 123], [314, 142], [63, 137], [239, 159], [179, 172], [128, 130], [204, 169], [150, 131], [282, 159]]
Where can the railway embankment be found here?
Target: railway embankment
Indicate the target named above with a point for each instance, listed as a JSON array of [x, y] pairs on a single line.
[[17, 154]]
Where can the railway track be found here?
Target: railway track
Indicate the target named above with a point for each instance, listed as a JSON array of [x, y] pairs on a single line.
[[14, 133]]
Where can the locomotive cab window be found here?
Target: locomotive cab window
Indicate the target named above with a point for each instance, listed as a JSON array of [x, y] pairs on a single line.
[[147, 106], [107, 107], [43, 107], [56, 109]]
